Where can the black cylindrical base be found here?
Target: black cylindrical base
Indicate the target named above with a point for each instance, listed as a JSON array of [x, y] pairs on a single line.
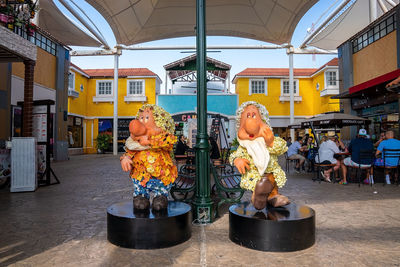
[[288, 228], [150, 230]]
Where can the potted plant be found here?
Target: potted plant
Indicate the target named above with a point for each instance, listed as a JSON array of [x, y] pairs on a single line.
[[103, 141]]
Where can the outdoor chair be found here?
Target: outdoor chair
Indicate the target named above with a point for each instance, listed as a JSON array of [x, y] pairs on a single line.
[[288, 161], [365, 154], [387, 154], [321, 167]]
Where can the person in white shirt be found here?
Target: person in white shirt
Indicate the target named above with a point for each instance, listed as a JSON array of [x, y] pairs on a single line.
[[326, 153]]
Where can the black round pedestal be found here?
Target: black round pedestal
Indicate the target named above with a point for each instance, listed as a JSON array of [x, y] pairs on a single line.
[[288, 228], [148, 230]]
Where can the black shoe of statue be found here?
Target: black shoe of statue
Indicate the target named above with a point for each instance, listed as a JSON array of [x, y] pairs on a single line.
[[159, 203], [141, 203]]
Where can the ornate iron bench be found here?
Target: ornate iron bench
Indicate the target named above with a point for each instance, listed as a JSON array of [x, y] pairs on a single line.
[[185, 183]]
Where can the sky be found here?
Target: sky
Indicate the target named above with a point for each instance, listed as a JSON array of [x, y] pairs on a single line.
[[238, 59]]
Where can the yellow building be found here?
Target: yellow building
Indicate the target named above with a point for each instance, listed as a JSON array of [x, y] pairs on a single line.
[[270, 87], [90, 103]]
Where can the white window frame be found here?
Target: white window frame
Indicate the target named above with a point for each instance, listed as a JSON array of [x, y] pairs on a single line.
[[104, 98], [326, 78], [297, 93], [104, 95], [128, 82], [73, 83], [258, 80]]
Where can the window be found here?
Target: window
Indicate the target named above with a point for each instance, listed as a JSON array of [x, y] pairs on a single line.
[[373, 34], [285, 90], [258, 86], [331, 79], [104, 88], [71, 81], [136, 87]]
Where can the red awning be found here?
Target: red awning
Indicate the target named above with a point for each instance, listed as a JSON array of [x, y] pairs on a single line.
[[376, 81]]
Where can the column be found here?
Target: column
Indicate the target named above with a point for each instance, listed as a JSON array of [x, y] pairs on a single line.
[[28, 98]]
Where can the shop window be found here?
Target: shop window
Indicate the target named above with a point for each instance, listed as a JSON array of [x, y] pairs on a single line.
[[136, 87], [104, 88], [285, 90], [258, 87], [375, 33], [331, 79]]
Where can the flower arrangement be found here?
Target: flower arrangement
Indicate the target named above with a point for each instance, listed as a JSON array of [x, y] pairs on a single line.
[[162, 118], [18, 14]]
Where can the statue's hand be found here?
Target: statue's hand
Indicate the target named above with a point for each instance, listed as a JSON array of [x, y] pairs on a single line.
[[242, 165], [126, 164], [144, 140], [268, 135]]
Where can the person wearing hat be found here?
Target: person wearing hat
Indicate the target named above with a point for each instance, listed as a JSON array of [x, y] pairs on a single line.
[[326, 153], [355, 147]]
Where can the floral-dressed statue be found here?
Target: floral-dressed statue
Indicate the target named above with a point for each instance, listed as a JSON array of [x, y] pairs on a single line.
[[257, 156], [148, 157]]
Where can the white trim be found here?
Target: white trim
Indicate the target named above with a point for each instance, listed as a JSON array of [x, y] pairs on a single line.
[[286, 98], [76, 115], [73, 83], [78, 71], [103, 99], [325, 68], [73, 93], [84, 134], [135, 98], [104, 95], [297, 88], [329, 91], [136, 80], [326, 86], [145, 77], [92, 134], [259, 80]]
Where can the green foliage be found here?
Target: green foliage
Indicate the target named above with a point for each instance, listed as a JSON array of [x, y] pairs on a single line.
[[103, 141], [235, 142]]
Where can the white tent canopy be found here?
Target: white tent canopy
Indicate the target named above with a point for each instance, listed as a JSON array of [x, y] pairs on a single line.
[[51, 19], [136, 22], [347, 24]]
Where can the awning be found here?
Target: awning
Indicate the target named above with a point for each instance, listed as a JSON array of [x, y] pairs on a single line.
[[374, 82], [347, 24], [330, 120], [136, 22], [53, 21]]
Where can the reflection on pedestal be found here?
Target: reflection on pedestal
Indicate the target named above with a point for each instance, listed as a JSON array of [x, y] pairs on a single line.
[[288, 228], [148, 230]]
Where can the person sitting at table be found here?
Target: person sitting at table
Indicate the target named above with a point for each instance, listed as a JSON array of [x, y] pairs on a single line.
[[361, 142], [381, 138], [293, 153], [310, 153], [181, 146], [326, 153], [323, 139], [388, 143]]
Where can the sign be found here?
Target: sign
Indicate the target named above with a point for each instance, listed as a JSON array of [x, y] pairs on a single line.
[[78, 121], [39, 127], [41, 158], [191, 115], [369, 101]]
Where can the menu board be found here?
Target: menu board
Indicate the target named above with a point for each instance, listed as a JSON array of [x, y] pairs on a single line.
[[39, 127]]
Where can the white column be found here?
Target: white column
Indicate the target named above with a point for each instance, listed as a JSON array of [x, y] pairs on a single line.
[[166, 82], [229, 81], [373, 10], [291, 91], [115, 117]]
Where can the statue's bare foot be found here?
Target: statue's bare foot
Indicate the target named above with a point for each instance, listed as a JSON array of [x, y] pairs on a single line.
[[278, 201], [141, 203], [160, 203], [261, 192]]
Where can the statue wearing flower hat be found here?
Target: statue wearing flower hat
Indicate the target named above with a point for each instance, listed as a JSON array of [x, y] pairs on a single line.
[[148, 157], [257, 156]]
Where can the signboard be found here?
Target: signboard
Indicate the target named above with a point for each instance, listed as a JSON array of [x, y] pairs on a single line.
[[39, 127], [366, 102], [41, 158], [192, 115]]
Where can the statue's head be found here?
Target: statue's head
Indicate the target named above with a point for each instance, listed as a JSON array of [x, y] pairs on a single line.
[[251, 117]]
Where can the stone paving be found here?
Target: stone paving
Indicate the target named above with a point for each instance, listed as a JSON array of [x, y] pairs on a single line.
[[65, 225]]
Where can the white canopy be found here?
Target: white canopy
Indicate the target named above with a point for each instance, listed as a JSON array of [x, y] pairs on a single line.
[[135, 22], [352, 20], [51, 19]]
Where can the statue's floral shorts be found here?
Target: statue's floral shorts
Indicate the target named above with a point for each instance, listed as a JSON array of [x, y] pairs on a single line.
[[153, 185]]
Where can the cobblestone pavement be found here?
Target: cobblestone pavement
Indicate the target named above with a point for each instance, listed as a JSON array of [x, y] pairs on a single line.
[[65, 225]]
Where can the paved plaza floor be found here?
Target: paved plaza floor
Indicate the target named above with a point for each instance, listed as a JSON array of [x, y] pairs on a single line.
[[65, 224]]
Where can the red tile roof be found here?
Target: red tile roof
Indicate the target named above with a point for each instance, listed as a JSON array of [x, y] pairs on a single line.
[[284, 71], [121, 72], [76, 67]]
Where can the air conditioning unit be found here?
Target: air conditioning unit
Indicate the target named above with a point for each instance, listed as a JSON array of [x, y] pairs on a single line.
[[23, 164]]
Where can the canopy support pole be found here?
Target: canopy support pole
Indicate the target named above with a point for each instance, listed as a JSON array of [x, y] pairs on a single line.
[[373, 14], [291, 92], [202, 202], [115, 115]]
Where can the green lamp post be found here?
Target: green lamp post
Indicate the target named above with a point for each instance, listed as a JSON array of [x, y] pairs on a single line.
[[202, 202]]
